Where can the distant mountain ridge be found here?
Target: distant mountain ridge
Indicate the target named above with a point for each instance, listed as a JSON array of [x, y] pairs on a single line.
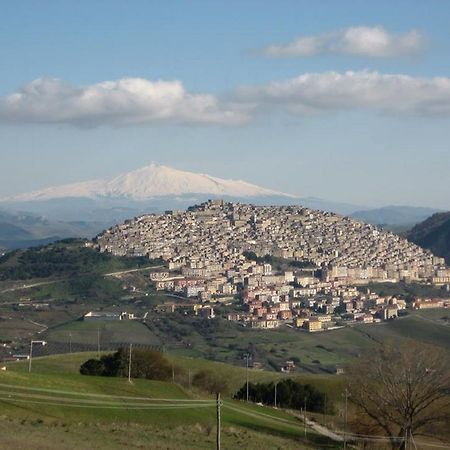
[[433, 234], [394, 217]]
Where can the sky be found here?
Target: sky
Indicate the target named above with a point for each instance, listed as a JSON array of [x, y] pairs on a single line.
[[347, 101]]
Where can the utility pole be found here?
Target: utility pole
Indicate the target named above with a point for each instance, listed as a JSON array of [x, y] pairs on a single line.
[[173, 374], [345, 418], [247, 355], [304, 417], [129, 365], [31, 355], [275, 396], [218, 404]]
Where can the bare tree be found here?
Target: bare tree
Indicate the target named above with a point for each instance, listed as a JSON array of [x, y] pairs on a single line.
[[402, 388]]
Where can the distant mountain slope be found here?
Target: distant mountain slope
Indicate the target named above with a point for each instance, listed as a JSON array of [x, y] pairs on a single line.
[[11, 231], [433, 234], [20, 230], [13, 236], [394, 215], [150, 182]]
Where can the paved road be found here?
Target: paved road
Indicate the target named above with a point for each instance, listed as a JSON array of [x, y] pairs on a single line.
[[29, 286], [112, 274]]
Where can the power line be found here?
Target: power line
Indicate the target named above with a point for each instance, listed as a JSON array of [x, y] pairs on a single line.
[[186, 404], [87, 394], [12, 395], [264, 416], [125, 406]]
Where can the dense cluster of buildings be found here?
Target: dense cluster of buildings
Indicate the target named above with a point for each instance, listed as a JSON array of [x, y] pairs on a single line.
[[210, 238], [262, 299], [205, 250]]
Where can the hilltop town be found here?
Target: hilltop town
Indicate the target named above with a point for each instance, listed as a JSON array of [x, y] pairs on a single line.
[[284, 263]]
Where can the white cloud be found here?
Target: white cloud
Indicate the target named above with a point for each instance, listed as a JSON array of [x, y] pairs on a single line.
[[131, 101], [122, 102], [313, 93], [359, 41]]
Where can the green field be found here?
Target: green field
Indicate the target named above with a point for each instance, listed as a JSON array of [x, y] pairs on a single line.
[[55, 407], [111, 332], [219, 340], [224, 341]]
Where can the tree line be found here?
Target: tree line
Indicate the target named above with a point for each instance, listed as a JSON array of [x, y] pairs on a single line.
[[290, 394]]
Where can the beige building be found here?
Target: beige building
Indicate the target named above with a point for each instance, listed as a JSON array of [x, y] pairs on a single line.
[[313, 324]]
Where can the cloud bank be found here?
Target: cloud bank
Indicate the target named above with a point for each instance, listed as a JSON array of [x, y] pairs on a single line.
[[313, 93], [134, 101], [358, 41], [127, 101]]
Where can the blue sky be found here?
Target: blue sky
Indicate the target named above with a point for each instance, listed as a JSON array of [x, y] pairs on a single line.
[[362, 147]]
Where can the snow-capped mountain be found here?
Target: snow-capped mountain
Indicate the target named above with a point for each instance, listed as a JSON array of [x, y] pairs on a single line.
[[151, 182]]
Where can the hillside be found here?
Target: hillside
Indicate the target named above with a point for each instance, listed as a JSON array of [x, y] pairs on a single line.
[[433, 234], [66, 258], [51, 284], [317, 236], [110, 412]]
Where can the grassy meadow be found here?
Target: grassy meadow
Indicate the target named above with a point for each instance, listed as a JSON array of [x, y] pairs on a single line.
[[55, 407]]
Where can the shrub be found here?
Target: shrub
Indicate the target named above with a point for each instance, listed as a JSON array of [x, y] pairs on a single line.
[[144, 364], [151, 365], [92, 367]]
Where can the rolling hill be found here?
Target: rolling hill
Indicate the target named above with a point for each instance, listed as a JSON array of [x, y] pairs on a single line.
[[58, 408], [433, 234]]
